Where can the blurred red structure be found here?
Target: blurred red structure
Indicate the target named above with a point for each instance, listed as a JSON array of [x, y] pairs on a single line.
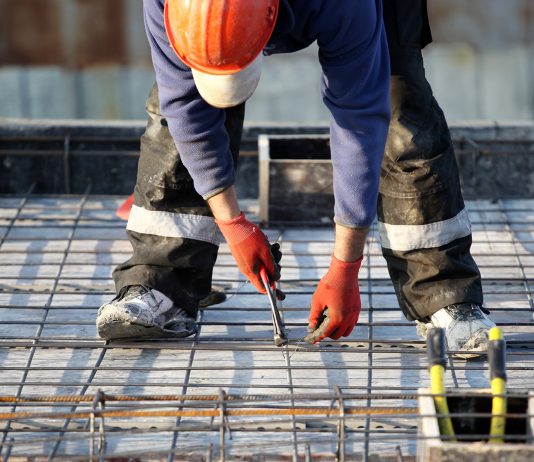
[[124, 210]]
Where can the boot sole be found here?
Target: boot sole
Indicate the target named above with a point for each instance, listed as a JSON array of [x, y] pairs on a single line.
[[117, 330], [214, 298], [476, 347]]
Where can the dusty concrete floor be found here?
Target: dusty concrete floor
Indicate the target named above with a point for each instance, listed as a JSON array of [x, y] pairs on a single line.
[[56, 259]]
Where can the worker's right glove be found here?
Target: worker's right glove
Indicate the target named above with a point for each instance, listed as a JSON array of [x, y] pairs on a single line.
[[336, 304], [251, 251]]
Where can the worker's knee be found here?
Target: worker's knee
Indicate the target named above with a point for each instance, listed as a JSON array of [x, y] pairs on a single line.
[[419, 155], [419, 159]]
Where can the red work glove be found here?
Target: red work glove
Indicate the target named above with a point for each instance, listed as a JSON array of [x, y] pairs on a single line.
[[251, 250], [336, 304]]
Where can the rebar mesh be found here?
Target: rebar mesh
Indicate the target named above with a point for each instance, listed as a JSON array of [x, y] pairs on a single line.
[[57, 254]]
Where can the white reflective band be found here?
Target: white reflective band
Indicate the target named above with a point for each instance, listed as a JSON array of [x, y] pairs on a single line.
[[169, 224], [413, 237]]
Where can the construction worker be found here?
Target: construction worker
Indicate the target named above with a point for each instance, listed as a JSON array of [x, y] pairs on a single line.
[[208, 57]]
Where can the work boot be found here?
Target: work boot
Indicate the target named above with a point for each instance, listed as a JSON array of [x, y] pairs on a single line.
[[215, 297], [140, 312], [466, 329]]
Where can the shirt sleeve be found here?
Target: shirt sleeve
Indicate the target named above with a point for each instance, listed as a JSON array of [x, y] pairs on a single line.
[[197, 128], [355, 88]]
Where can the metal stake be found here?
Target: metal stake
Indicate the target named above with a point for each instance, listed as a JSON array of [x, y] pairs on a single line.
[[340, 452]]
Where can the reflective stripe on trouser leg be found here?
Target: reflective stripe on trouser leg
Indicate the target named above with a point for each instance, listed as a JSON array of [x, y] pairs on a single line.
[[425, 236], [173, 235], [168, 224], [424, 226]]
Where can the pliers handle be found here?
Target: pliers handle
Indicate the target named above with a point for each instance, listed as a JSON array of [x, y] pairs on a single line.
[[280, 337]]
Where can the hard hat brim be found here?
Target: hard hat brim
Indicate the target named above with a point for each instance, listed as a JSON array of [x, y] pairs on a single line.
[[224, 91]]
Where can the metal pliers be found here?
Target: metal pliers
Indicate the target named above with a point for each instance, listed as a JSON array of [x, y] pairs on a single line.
[[280, 336]]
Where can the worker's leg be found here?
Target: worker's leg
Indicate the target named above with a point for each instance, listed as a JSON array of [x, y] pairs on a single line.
[[424, 227], [174, 237]]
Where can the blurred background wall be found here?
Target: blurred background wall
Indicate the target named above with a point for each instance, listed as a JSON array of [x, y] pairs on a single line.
[[90, 59]]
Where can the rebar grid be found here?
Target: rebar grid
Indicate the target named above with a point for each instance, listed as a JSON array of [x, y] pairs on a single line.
[[56, 257]]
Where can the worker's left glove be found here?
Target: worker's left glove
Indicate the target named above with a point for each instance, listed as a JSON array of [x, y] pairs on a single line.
[[252, 251], [336, 304]]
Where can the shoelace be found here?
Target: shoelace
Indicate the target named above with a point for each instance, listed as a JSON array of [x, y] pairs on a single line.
[[474, 313], [139, 289]]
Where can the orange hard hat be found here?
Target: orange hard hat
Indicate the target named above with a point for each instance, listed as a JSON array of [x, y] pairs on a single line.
[[219, 37]]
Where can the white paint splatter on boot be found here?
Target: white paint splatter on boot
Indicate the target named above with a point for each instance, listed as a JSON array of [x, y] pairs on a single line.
[[466, 329], [141, 312]]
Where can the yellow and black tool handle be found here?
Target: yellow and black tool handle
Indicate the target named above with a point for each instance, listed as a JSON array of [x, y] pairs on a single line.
[[435, 348], [497, 365], [437, 362]]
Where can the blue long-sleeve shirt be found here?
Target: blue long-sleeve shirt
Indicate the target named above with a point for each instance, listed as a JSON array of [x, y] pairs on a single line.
[[355, 87]]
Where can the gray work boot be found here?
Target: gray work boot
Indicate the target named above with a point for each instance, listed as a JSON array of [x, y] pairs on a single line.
[[139, 312], [466, 329]]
